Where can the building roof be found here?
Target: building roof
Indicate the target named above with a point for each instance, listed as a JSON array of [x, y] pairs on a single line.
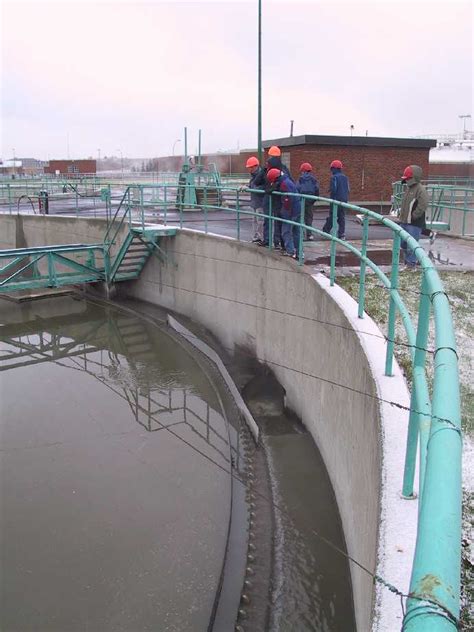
[[350, 141]]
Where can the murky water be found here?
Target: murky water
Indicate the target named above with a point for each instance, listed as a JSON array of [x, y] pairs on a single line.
[[115, 487], [114, 492]]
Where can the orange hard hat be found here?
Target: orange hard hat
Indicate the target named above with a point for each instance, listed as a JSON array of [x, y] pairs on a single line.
[[252, 162], [336, 164], [273, 175], [274, 151], [305, 166]]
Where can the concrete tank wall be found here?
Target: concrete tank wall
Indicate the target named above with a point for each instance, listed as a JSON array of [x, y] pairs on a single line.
[[281, 315]]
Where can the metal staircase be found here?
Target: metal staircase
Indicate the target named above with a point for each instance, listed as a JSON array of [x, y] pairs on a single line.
[[56, 266]]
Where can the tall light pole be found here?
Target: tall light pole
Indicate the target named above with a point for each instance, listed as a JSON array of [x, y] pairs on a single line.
[[14, 161], [352, 130], [175, 143], [464, 117], [259, 81]]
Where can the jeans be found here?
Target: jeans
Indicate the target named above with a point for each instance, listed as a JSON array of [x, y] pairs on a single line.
[[308, 216], [341, 220], [287, 233], [415, 232], [257, 222], [277, 236]]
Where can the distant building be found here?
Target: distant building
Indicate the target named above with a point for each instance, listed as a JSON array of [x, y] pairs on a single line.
[[371, 163], [453, 157], [22, 167], [70, 167]]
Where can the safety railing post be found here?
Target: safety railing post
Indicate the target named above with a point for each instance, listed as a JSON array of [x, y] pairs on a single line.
[[300, 233], [270, 222], [51, 270], [237, 207], [392, 310], [332, 274], [142, 208], [9, 198], [365, 236], [165, 203], [206, 208]]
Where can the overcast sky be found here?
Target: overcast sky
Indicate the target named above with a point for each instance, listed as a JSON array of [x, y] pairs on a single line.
[[128, 76]]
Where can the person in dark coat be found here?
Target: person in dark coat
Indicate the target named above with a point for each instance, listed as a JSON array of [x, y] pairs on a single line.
[[290, 210], [308, 185], [257, 181], [413, 209], [339, 191]]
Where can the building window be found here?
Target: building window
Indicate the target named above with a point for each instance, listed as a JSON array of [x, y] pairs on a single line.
[[286, 159], [72, 169]]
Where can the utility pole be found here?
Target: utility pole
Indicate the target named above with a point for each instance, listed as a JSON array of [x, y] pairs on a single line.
[[259, 81]]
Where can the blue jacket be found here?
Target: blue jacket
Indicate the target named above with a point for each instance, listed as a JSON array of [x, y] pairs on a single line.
[[274, 162], [308, 184], [339, 188], [257, 181], [290, 204]]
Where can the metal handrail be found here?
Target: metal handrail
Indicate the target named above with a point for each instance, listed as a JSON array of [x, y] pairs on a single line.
[[434, 602]]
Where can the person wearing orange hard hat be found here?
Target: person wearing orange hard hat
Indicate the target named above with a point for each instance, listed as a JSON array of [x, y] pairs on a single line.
[[257, 183], [339, 192], [413, 209], [308, 185]]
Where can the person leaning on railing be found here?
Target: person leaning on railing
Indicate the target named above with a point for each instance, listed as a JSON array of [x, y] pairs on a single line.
[[308, 185], [257, 181], [413, 209]]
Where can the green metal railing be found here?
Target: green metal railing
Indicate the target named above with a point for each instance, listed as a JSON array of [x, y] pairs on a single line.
[[434, 422]]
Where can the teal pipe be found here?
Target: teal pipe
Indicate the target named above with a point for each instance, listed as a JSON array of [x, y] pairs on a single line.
[[365, 237], [332, 274], [392, 312]]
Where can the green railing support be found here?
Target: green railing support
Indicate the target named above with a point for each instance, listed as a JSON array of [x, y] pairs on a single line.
[[365, 237], [270, 223], [332, 274], [237, 207], [300, 234], [392, 311]]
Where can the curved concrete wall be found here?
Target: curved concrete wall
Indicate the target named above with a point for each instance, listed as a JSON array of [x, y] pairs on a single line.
[[267, 304], [329, 361]]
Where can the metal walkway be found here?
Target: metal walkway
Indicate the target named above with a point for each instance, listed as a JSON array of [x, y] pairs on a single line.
[[56, 266]]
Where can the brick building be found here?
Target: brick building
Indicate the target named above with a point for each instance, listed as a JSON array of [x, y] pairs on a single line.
[[70, 167], [371, 163]]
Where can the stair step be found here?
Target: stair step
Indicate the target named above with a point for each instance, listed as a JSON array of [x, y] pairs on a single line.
[[125, 276]]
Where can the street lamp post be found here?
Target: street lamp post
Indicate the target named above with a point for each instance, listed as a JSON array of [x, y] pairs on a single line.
[[352, 130], [14, 161]]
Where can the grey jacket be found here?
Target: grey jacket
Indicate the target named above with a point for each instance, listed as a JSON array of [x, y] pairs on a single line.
[[415, 201]]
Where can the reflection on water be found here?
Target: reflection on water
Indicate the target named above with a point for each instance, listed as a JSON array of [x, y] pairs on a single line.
[[107, 522]]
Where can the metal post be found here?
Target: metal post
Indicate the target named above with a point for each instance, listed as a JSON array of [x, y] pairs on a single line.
[[199, 149], [332, 274], [165, 202], [300, 234], [9, 198], [270, 223], [185, 145], [259, 82], [365, 237], [238, 215], [392, 311]]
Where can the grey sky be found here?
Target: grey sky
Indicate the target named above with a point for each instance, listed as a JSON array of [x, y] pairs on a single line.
[[129, 76]]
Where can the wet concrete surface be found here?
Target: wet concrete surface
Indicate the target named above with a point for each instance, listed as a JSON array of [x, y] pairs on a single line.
[[115, 484]]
